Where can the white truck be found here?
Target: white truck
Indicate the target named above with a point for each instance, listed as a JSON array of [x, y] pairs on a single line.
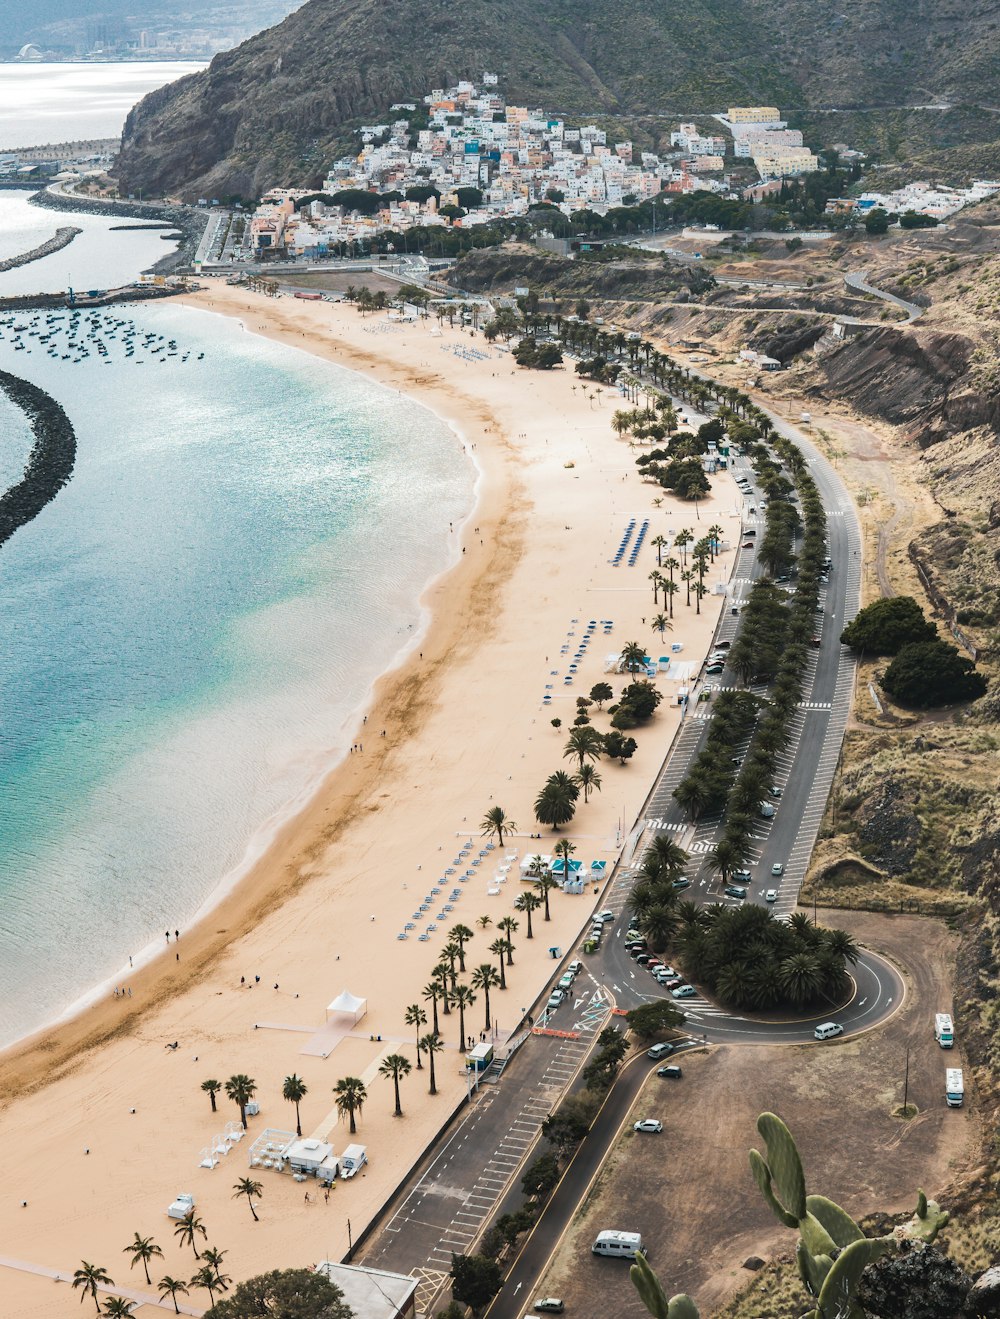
[[181, 1207], [944, 1031], [353, 1160], [954, 1087]]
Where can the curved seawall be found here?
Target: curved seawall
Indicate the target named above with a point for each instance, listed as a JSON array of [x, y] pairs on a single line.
[[51, 461]]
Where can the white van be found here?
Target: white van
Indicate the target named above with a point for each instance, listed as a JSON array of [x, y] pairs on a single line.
[[621, 1245], [944, 1031], [954, 1087], [828, 1030]]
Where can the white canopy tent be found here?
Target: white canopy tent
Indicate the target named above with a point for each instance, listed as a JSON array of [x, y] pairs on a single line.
[[347, 1004]]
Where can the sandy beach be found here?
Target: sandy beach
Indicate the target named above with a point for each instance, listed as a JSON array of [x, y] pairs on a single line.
[[102, 1124]]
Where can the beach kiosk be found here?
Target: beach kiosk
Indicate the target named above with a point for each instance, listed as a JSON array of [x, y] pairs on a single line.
[[346, 1005], [480, 1057], [311, 1158]]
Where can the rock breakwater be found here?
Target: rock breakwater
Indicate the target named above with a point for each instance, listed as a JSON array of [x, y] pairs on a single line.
[[51, 461]]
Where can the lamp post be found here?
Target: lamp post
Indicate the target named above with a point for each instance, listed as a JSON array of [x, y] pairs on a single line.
[[350, 1245]]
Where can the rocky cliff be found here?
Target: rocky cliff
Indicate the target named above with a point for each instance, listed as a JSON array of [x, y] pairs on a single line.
[[275, 109]]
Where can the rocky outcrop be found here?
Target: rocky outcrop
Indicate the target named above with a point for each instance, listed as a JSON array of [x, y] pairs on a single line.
[[51, 461]]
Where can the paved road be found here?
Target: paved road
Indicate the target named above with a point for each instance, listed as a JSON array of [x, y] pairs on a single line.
[[857, 280]]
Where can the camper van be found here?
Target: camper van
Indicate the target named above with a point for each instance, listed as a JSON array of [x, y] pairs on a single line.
[[954, 1087], [353, 1160], [620, 1245], [944, 1031]]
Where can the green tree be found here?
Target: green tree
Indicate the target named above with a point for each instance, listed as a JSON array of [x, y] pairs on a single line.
[[485, 978], [601, 692], [417, 1017], [464, 998], [214, 1257], [284, 1294], [212, 1088], [431, 1043], [569, 1124], [117, 1307], [350, 1095], [877, 220], [588, 779], [652, 1019], [392, 1067], [564, 850], [475, 1281], [89, 1277], [499, 949], [619, 747], [930, 673], [633, 657], [885, 626], [460, 934], [540, 1177], [248, 1187], [241, 1089], [432, 992], [294, 1089], [583, 744], [555, 804], [143, 1249], [188, 1230], [172, 1287], [496, 823], [206, 1279], [510, 927], [527, 902], [545, 884]]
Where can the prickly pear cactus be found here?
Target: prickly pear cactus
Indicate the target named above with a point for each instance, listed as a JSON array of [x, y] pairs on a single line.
[[654, 1298], [832, 1251]]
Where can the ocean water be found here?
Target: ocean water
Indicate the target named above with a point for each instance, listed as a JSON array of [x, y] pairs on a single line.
[[100, 257], [42, 104], [188, 629]]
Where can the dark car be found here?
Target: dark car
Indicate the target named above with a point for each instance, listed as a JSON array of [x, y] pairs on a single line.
[[643, 959], [672, 1072], [748, 545], [715, 668], [723, 645]]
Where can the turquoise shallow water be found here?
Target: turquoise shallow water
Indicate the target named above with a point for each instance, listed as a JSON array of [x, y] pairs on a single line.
[[187, 628]]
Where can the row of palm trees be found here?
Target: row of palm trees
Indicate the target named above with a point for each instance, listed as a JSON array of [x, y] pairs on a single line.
[[90, 1278]]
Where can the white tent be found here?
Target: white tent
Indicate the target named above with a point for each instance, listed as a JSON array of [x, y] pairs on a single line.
[[347, 1004]]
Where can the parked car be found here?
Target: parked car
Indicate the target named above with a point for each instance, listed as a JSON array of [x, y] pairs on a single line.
[[660, 1051], [604, 917], [555, 999], [684, 991], [774, 790], [668, 971], [643, 959], [771, 895], [549, 1305], [672, 1072], [747, 545], [778, 868], [742, 875], [575, 968], [566, 982], [723, 645], [735, 891], [682, 881], [650, 1124], [715, 668], [672, 982]]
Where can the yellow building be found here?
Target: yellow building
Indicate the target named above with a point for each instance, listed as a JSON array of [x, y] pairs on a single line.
[[780, 162], [754, 114]]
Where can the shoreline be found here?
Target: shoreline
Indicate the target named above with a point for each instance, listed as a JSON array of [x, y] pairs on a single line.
[[467, 726], [152, 969]]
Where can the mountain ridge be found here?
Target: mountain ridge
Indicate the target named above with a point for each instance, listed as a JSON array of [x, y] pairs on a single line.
[[279, 107]]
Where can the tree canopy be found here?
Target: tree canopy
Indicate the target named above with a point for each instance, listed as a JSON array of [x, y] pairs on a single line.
[[885, 626], [284, 1294], [928, 673], [475, 1280]]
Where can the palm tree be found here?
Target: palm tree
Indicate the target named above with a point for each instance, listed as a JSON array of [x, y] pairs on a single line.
[[416, 1017], [556, 804], [661, 623], [841, 944], [545, 884], [248, 1187], [295, 1090], [393, 1066], [633, 656], [589, 780], [351, 1095], [464, 998], [687, 577], [433, 1044], [117, 1307], [241, 1089], [172, 1287], [485, 978], [668, 855], [187, 1230], [211, 1255], [800, 978], [510, 927], [442, 973], [715, 533], [660, 542], [211, 1088], [527, 902], [499, 949], [682, 540], [670, 587], [484, 922], [564, 849], [88, 1278], [497, 822], [461, 934], [656, 577], [205, 1277], [145, 1249], [584, 743], [658, 924], [450, 953], [432, 992]]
